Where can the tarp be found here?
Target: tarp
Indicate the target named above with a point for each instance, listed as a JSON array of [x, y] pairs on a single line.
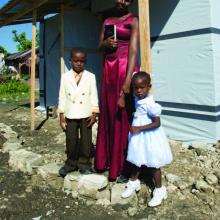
[[185, 54]]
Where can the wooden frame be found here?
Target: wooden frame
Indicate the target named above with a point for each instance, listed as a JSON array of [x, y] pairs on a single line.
[[145, 42], [33, 62], [62, 64], [27, 10]]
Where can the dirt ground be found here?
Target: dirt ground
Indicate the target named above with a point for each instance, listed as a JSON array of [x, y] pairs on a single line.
[[21, 199]]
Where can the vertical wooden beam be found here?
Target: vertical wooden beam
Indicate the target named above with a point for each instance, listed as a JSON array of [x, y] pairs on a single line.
[[33, 61], [145, 43], [62, 64]]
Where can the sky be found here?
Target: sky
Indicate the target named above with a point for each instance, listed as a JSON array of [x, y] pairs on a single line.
[[6, 33]]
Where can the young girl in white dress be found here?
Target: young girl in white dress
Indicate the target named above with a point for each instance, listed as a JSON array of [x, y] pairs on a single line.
[[148, 144]]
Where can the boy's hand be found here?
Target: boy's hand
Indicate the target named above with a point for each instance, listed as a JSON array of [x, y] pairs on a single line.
[[63, 123], [91, 120], [134, 129]]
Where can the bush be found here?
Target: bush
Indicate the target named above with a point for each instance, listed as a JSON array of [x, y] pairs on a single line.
[[13, 86]]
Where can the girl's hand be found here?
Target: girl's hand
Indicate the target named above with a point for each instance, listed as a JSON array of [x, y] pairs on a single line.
[[110, 42], [91, 120], [126, 86], [121, 101], [63, 123], [134, 129]]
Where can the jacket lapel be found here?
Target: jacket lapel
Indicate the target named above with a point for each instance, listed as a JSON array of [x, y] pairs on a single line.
[[72, 79]]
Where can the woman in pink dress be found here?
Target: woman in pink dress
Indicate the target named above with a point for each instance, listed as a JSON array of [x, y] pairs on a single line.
[[120, 61]]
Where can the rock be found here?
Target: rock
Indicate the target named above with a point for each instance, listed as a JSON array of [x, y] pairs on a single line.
[[171, 188], [211, 179], [202, 186], [200, 145], [182, 185], [132, 211], [90, 185], [50, 173], [7, 146], [201, 151], [75, 194], [25, 161], [71, 182], [49, 170], [185, 145], [10, 134], [217, 173], [174, 143], [103, 202], [171, 178], [116, 199], [103, 194]]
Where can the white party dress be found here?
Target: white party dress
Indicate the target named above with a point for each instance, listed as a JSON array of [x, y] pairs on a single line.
[[149, 148]]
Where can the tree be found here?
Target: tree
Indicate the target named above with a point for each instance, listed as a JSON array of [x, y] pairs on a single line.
[[23, 42], [4, 51]]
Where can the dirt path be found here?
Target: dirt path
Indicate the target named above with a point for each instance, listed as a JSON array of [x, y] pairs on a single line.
[[21, 199]]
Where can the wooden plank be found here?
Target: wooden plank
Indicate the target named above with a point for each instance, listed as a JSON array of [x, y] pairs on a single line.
[[33, 62], [9, 5], [62, 64], [145, 43], [87, 50], [35, 5]]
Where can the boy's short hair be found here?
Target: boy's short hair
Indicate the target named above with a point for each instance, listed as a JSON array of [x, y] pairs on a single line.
[[142, 75], [77, 50]]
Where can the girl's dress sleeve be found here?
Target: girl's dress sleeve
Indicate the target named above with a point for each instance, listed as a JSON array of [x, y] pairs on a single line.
[[153, 108]]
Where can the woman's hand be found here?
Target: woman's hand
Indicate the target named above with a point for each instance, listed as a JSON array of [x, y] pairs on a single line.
[[126, 86], [63, 123], [134, 129], [110, 42], [91, 120], [121, 101]]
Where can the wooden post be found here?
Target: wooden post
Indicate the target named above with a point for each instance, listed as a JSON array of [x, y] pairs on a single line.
[[62, 64], [33, 57], [145, 42]]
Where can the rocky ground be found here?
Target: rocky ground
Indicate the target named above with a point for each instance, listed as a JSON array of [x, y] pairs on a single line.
[[30, 187]]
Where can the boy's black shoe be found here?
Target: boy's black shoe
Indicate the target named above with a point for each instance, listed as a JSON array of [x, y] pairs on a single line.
[[122, 179], [87, 171], [63, 171]]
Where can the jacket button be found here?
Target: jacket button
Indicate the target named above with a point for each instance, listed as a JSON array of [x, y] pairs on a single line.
[[73, 102], [83, 94], [80, 102]]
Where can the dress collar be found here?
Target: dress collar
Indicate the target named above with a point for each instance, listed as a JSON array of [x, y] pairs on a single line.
[[143, 101]]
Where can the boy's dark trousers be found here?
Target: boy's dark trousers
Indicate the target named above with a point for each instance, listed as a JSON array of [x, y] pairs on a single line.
[[78, 149]]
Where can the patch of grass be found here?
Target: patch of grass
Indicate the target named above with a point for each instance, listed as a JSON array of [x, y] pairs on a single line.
[[13, 86]]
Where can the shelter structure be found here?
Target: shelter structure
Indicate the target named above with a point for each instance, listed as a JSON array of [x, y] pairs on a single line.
[[21, 61], [179, 46]]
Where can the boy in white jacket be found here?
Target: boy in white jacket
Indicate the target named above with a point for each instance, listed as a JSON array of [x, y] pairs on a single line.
[[78, 108]]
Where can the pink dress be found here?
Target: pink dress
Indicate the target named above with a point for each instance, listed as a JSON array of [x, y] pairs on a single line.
[[114, 123]]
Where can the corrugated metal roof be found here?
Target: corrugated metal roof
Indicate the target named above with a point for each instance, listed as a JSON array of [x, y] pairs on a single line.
[[20, 55]]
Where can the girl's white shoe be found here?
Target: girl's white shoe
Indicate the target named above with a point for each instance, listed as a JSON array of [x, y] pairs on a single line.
[[132, 186], [158, 195]]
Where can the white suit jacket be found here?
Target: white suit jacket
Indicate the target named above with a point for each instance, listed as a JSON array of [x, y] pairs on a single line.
[[78, 101]]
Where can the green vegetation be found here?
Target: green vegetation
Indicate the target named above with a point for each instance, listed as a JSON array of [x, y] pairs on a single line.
[[23, 42], [13, 87], [4, 51]]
